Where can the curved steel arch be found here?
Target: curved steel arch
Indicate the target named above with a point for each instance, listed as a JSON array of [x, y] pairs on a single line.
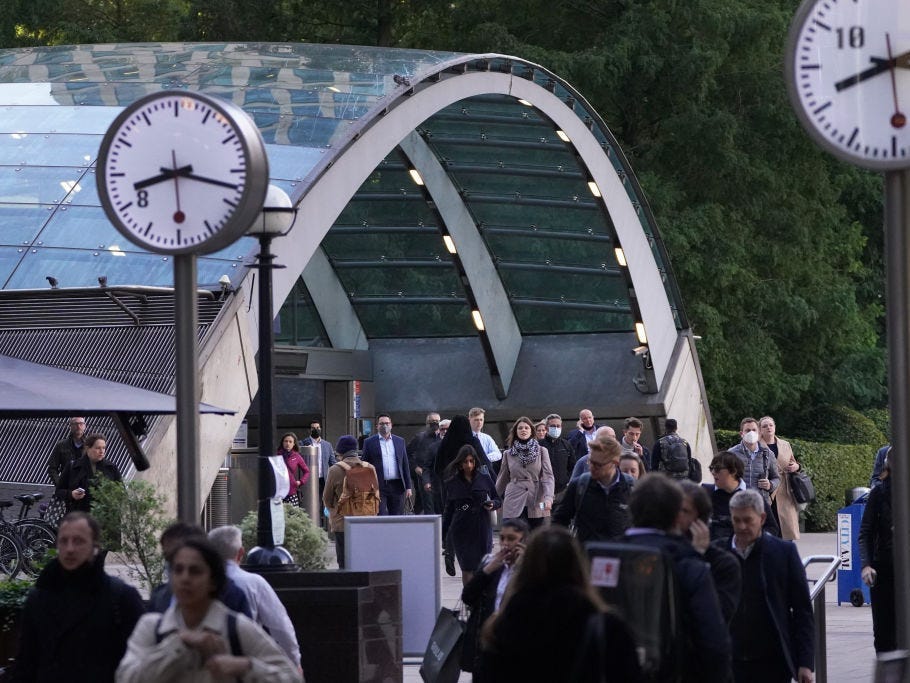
[[324, 194]]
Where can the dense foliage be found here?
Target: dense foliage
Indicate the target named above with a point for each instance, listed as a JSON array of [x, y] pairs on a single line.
[[777, 247], [305, 541]]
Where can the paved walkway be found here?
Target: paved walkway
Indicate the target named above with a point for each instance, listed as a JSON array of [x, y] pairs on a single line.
[[851, 657]]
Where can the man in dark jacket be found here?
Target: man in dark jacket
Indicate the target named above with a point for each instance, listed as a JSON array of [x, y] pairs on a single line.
[[598, 501], [582, 435], [773, 628], [66, 450], [562, 454], [421, 454], [77, 618], [655, 505]]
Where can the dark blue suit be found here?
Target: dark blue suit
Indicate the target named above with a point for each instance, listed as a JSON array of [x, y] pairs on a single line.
[[785, 592], [392, 491]]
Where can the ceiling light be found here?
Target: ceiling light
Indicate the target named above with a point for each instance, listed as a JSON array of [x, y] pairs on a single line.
[[640, 333], [525, 103], [415, 176], [450, 244], [620, 256], [478, 321], [561, 134], [594, 189]]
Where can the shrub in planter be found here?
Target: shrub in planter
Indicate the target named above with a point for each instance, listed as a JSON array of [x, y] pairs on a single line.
[[305, 541]]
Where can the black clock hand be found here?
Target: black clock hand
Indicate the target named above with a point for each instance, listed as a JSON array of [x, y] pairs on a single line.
[[166, 174], [902, 61], [187, 172]]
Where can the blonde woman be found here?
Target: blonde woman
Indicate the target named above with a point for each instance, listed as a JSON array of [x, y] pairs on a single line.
[[784, 505]]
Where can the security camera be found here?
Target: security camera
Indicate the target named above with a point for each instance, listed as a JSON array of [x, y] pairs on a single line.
[[640, 350], [224, 281]]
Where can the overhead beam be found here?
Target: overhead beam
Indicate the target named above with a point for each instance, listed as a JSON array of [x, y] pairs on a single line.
[[333, 305]]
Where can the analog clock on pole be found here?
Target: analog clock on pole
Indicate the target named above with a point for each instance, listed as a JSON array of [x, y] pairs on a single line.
[[848, 75], [180, 172]]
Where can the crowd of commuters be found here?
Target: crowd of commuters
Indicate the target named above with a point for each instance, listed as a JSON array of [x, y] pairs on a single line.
[[742, 590]]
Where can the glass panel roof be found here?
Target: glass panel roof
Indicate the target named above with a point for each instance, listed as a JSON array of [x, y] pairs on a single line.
[[298, 323], [552, 242]]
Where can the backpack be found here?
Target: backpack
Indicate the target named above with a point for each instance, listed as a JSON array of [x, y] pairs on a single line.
[[359, 496], [639, 582], [674, 456], [695, 470]]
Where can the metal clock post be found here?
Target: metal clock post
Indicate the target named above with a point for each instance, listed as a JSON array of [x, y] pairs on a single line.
[[847, 75], [182, 173]]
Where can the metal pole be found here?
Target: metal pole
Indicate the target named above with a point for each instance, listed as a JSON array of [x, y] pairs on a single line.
[[897, 254], [264, 538], [310, 492], [185, 331]]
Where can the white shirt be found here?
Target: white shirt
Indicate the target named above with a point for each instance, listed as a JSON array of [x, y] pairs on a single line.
[[389, 463], [266, 608], [489, 446]]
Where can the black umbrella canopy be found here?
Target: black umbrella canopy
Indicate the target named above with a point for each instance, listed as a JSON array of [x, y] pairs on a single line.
[[33, 390]]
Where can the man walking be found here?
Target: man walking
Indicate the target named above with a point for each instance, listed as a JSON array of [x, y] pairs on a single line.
[[326, 454], [421, 453], [562, 455], [334, 489], [584, 433], [66, 450], [759, 464], [77, 618], [773, 627], [387, 453], [266, 608]]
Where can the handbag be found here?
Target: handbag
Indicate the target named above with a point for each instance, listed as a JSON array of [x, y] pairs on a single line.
[[442, 659], [801, 488], [56, 510]]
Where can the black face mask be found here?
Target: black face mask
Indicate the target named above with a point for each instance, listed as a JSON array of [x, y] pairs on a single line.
[[315, 433], [433, 426]]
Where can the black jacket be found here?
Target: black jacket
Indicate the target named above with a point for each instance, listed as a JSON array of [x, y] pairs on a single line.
[[479, 595], [75, 625], [64, 452], [599, 515], [78, 474], [876, 534], [562, 460], [422, 450]]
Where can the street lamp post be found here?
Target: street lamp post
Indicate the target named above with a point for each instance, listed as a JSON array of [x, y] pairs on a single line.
[[276, 220]]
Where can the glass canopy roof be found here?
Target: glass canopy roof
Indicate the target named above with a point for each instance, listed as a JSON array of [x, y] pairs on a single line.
[[551, 241]]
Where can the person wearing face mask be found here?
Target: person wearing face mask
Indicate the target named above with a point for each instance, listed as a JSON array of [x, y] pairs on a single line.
[[326, 453], [759, 464], [421, 453], [388, 454], [562, 454]]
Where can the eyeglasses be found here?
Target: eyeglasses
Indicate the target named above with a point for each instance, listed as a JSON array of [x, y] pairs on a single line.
[[714, 468]]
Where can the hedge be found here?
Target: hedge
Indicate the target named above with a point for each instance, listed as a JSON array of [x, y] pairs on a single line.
[[834, 469]]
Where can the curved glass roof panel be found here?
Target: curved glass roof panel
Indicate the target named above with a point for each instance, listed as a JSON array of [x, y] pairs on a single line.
[[298, 322]]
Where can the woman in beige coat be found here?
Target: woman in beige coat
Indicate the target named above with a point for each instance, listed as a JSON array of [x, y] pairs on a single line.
[[787, 511], [525, 480]]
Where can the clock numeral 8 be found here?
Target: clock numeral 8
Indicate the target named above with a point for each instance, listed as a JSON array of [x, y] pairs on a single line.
[[142, 198], [855, 35]]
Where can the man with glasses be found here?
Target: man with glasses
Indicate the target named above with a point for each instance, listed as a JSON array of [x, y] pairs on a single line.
[[421, 453], [388, 454], [67, 450], [597, 503]]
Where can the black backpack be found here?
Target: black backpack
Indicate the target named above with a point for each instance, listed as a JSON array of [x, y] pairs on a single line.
[[639, 582], [674, 456]]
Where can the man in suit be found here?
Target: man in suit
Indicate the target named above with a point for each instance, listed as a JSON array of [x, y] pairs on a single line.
[[388, 454], [326, 453], [584, 434], [773, 627]]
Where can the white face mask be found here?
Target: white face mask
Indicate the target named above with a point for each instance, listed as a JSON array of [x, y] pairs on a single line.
[[554, 432], [750, 438]]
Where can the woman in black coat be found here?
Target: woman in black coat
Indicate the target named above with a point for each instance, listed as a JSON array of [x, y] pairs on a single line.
[[876, 544], [470, 496], [76, 481]]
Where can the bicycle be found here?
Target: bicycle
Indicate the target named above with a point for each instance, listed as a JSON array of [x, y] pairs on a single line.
[[36, 537], [11, 554]]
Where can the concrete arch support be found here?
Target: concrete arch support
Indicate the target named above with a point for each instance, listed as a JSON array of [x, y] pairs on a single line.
[[490, 294]]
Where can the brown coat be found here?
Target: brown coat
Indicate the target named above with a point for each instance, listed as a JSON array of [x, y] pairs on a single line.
[[520, 486], [787, 512], [334, 485]]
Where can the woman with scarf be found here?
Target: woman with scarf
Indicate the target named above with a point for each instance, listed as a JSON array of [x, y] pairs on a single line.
[[298, 472], [525, 479], [470, 497]]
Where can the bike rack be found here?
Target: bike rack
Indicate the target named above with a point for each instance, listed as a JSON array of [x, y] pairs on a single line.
[[817, 596]]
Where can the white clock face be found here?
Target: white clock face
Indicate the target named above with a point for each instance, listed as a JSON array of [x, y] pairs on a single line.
[[180, 173], [848, 72]]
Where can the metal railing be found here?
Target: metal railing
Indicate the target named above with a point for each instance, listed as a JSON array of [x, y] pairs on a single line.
[[817, 596]]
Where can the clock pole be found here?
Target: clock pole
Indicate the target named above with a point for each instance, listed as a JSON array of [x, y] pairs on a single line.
[[897, 268], [185, 330]]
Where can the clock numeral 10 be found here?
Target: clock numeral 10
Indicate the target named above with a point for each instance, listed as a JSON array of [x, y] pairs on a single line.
[[854, 37]]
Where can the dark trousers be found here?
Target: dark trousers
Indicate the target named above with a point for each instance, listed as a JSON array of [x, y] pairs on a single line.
[[533, 522], [339, 548], [770, 670], [884, 626], [392, 498]]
